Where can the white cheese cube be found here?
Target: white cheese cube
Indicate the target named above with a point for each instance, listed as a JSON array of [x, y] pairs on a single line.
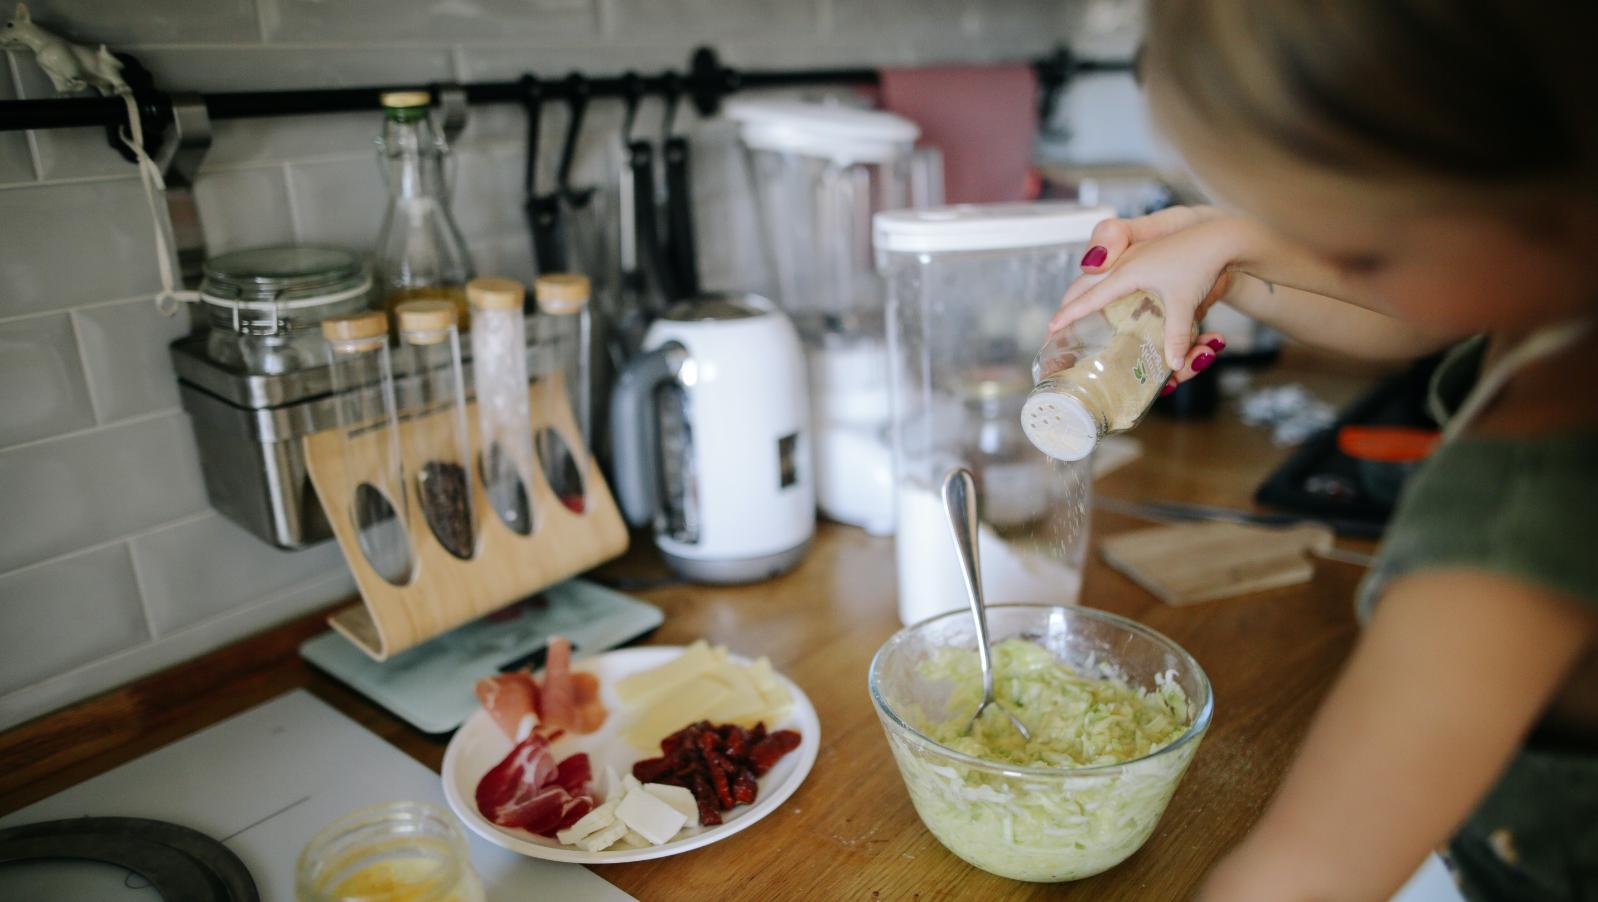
[[604, 839], [593, 821], [654, 820], [678, 798], [633, 840]]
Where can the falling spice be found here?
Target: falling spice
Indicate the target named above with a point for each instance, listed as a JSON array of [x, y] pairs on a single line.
[[443, 488]]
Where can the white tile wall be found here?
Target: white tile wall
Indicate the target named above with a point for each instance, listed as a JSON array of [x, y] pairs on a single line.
[[111, 562]]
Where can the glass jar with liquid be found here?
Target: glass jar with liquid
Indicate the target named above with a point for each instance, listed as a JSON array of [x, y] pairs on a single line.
[[420, 252], [396, 852], [432, 399]]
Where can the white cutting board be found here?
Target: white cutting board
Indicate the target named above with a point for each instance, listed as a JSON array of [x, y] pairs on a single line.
[[264, 782]]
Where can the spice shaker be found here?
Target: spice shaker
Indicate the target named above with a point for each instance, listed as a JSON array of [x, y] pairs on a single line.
[[433, 401], [362, 378], [504, 416], [1097, 376], [565, 324]]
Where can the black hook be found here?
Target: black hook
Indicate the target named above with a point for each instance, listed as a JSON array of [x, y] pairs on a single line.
[[532, 92], [577, 91], [632, 90], [672, 87]]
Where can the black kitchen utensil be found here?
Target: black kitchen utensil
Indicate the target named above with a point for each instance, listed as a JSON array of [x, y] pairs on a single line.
[[181, 865], [542, 217], [680, 250]]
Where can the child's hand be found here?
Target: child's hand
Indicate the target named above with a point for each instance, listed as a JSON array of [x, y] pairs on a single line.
[[1181, 256]]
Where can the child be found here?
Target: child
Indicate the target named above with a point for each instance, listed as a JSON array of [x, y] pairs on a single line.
[[1401, 177]]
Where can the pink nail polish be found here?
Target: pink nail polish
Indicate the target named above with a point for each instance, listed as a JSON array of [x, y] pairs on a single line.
[[1202, 362], [1169, 387], [1095, 256], [1217, 344]]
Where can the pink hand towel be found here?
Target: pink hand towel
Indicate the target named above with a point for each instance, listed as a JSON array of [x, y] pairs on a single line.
[[983, 119]]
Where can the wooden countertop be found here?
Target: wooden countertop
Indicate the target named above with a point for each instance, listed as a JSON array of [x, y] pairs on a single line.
[[850, 831]]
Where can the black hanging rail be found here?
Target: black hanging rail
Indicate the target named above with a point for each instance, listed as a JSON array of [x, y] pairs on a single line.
[[706, 82]]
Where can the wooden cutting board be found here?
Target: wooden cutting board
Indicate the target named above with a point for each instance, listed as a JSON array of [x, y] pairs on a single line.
[[1191, 562]]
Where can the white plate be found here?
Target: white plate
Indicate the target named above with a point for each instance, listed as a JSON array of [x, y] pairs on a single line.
[[479, 745]]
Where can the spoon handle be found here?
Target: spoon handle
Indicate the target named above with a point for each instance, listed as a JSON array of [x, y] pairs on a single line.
[[959, 501]]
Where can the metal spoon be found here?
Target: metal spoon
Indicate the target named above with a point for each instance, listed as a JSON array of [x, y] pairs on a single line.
[[959, 502]]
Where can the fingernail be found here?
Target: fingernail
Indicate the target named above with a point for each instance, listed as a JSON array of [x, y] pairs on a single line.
[[1202, 362], [1095, 255], [1169, 387], [1217, 344]]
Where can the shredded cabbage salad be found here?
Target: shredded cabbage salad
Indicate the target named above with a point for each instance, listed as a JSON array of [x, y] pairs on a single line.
[[1056, 827]]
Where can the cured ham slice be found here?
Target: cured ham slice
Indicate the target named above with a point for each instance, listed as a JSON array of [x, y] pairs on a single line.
[[591, 712], [512, 700], [558, 700], [529, 790]]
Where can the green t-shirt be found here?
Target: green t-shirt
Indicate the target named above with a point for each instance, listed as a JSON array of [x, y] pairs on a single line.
[[1526, 508]]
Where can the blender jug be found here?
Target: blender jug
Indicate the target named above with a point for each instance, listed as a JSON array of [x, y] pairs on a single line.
[[819, 173], [970, 291]]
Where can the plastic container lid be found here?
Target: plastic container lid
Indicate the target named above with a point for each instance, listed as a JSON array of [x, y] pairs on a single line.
[[985, 227], [838, 133], [493, 293], [1059, 426], [424, 322]]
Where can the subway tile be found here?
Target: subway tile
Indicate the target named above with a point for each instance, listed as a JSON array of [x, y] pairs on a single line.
[[269, 68], [42, 388], [502, 63], [338, 202], [67, 613], [487, 198], [1019, 29], [125, 351], [67, 152], [698, 20], [16, 160], [99, 22], [509, 255], [201, 568], [377, 20], [73, 244], [119, 668], [256, 142], [901, 18], [91, 487], [244, 208]]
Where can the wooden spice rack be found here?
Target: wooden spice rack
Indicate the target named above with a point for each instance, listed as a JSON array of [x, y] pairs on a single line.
[[445, 591]]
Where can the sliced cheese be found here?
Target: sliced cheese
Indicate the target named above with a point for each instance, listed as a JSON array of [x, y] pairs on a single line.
[[693, 662], [592, 822], [633, 840], [603, 839], [678, 798], [654, 820], [670, 714]]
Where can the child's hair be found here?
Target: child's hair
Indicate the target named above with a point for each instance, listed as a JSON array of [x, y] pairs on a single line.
[[1466, 91]]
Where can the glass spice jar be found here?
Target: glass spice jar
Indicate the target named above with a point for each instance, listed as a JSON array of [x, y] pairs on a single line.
[[433, 401], [564, 325], [362, 378], [504, 415]]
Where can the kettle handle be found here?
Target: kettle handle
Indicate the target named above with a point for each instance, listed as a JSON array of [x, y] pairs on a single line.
[[635, 430]]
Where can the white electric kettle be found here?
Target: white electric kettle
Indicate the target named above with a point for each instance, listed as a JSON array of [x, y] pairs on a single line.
[[710, 427]]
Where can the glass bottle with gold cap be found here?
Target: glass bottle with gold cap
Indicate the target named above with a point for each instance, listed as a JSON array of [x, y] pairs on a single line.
[[504, 415], [564, 328], [363, 389], [438, 450], [420, 252]]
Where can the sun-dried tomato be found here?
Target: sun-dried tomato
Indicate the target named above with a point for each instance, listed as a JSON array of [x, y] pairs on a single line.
[[720, 780], [735, 740], [767, 752], [709, 807], [758, 733], [744, 787], [651, 770]]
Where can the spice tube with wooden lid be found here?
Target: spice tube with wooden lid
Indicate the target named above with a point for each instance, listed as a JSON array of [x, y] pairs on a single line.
[[362, 378], [565, 327], [432, 400], [504, 414]]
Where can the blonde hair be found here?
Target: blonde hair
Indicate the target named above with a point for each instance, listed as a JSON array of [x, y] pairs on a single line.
[[1485, 92]]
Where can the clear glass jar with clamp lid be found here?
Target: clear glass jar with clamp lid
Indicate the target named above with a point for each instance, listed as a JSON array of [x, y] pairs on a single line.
[[266, 305]]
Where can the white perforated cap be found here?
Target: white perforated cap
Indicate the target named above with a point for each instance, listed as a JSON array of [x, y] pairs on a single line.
[[985, 227], [1058, 425], [841, 134]]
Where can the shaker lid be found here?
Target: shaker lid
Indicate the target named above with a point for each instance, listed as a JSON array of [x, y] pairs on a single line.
[[1059, 425], [421, 321], [985, 227], [841, 134], [493, 293], [561, 292], [358, 326]]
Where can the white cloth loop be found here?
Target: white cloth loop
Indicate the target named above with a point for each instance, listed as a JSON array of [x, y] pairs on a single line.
[[170, 296]]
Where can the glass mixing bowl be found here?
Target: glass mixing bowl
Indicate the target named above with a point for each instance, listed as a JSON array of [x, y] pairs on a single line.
[[1043, 824]]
